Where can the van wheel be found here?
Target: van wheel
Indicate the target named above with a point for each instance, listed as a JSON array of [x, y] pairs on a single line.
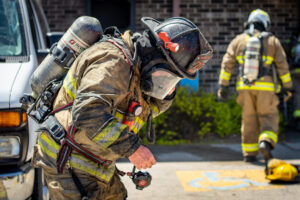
[[40, 190]]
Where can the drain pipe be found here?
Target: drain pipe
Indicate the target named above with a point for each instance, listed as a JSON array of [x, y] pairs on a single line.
[[176, 8]]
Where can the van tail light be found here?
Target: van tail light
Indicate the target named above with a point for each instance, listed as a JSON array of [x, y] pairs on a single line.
[[24, 117]]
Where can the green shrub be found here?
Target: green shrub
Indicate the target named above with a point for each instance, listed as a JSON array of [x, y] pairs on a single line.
[[227, 118], [195, 115]]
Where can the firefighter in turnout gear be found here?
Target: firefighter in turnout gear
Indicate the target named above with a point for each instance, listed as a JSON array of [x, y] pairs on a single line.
[[260, 57], [109, 92]]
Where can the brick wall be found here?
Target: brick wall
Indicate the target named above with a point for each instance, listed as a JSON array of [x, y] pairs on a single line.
[[219, 20], [62, 13]]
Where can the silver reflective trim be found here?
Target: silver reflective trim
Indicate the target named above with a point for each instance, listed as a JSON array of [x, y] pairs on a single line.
[[45, 144], [93, 169], [110, 136], [84, 164], [103, 126]]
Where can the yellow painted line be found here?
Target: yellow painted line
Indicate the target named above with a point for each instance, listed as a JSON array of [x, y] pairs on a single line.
[[222, 180]]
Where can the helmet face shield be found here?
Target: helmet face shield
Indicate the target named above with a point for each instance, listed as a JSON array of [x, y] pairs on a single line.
[[163, 81]]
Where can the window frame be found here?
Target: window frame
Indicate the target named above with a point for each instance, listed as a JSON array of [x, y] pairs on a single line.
[[36, 30], [132, 25]]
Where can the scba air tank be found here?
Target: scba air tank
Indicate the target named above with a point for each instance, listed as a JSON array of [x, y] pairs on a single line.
[[84, 32], [252, 58]]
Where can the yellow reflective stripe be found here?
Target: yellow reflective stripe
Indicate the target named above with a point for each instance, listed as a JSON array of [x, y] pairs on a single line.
[[268, 60], [70, 85], [47, 151], [286, 77], [72, 80], [50, 141], [225, 75], [247, 38], [109, 134], [99, 174], [69, 92], [240, 59], [134, 129], [119, 116], [261, 12], [250, 147], [137, 125], [77, 161], [268, 134], [297, 70], [296, 113], [48, 146], [155, 110], [265, 86], [139, 121]]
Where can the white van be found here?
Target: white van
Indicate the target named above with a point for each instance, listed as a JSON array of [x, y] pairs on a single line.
[[23, 43]]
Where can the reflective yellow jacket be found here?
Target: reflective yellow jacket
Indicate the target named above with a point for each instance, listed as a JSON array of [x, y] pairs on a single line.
[[273, 54]]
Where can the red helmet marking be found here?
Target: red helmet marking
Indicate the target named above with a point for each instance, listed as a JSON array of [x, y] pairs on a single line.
[[174, 47]]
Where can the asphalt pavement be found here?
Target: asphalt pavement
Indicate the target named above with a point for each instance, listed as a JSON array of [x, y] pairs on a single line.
[[214, 171]]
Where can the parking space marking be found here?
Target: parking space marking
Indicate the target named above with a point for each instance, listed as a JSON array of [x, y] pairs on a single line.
[[200, 181]]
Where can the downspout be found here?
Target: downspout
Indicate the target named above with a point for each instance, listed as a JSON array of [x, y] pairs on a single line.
[[132, 14], [298, 30], [176, 8]]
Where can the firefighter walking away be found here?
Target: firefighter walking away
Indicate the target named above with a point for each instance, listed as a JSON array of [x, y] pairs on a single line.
[[261, 59]]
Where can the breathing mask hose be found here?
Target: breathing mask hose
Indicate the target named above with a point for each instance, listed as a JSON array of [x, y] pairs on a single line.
[[150, 134]]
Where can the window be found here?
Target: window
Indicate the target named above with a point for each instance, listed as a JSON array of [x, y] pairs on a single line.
[[34, 25], [12, 37], [42, 19], [119, 13]]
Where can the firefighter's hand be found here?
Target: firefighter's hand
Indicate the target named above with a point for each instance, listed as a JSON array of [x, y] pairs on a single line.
[[288, 95], [223, 92], [142, 158]]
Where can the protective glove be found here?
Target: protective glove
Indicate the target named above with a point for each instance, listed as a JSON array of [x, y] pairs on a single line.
[[223, 92], [288, 93], [142, 158]]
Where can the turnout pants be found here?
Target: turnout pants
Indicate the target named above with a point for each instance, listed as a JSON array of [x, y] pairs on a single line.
[[62, 186], [260, 119]]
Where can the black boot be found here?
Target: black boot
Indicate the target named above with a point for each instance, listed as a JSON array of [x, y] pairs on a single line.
[[265, 149], [249, 158]]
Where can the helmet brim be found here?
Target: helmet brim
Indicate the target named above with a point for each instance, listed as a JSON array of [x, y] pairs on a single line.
[[205, 48], [272, 177], [150, 22]]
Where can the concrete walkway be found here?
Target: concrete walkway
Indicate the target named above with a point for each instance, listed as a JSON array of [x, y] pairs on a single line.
[[213, 171]]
